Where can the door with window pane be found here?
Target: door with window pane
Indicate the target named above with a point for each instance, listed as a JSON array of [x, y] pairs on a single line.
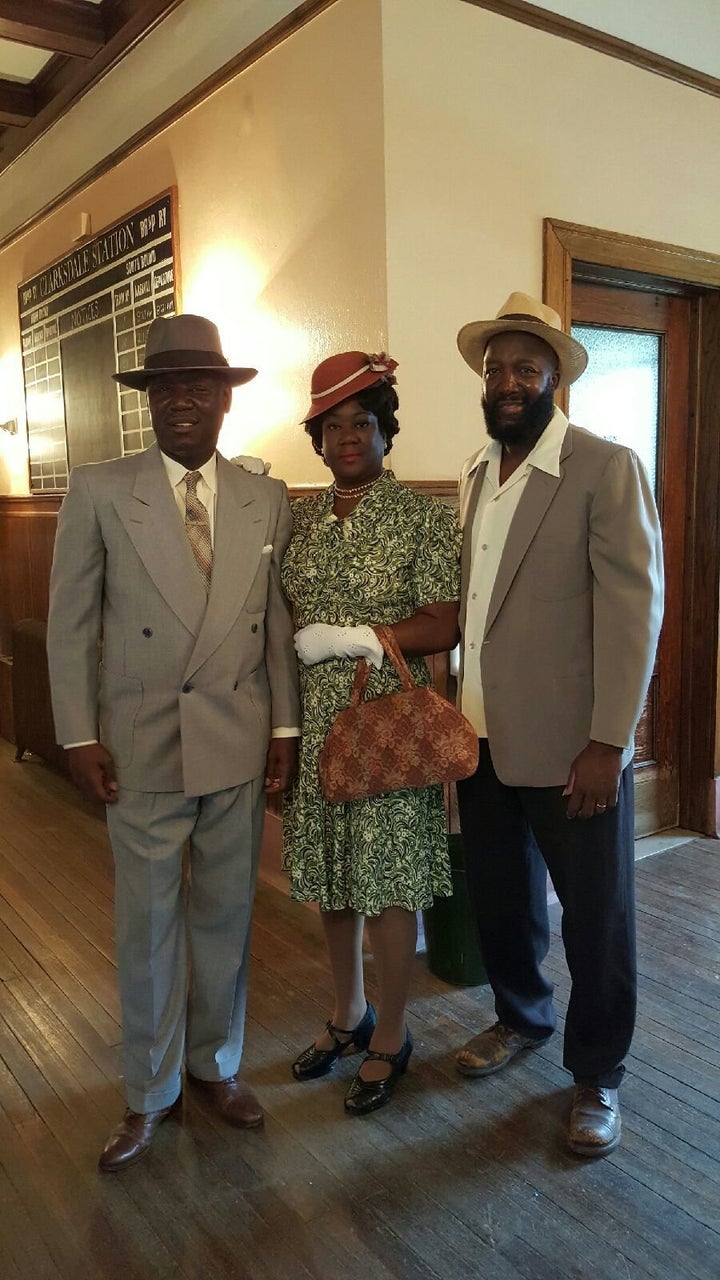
[[635, 391]]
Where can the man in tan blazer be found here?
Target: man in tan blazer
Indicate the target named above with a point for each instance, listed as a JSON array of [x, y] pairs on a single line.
[[167, 570], [560, 614]]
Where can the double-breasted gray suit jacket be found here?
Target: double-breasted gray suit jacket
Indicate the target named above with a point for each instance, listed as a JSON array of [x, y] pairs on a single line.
[[181, 688], [575, 612]]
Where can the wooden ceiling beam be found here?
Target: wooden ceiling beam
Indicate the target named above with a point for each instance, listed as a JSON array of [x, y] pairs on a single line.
[[17, 103], [73, 27], [64, 81]]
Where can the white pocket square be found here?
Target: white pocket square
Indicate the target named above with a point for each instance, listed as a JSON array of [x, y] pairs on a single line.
[[267, 549]]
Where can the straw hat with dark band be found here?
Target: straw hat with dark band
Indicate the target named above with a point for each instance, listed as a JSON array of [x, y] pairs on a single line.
[[526, 315], [190, 344]]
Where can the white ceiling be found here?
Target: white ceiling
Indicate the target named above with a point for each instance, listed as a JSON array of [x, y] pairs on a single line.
[[21, 63], [686, 31], [198, 37]]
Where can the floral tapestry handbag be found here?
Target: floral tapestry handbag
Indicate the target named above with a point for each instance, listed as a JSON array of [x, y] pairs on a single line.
[[408, 739]]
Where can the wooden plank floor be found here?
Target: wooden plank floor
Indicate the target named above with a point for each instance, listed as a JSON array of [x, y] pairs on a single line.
[[456, 1179]]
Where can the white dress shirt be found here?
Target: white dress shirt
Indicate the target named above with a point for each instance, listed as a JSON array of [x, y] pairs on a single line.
[[496, 507]]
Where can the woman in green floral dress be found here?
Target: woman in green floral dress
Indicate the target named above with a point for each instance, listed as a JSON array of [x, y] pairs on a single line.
[[367, 551]]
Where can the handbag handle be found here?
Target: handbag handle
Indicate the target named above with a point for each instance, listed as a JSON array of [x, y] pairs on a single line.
[[394, 653]]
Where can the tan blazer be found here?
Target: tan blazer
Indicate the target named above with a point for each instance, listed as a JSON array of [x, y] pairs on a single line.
[[187, 687], [575, 611]]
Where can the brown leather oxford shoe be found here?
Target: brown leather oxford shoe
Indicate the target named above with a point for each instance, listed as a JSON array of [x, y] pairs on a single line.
[[132, 1137], [595, 1124], [492, 1050], [232, 1099]]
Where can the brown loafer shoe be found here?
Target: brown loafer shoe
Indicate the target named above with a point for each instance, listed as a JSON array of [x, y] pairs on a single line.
[[492, 1050], [232, 1099], [132, 1137], [595, 1124]]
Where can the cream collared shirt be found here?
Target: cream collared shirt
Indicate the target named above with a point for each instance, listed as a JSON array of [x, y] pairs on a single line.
[[496, 507]]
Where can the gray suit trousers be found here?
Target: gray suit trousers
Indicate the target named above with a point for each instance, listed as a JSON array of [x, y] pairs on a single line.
[[168, 1015]]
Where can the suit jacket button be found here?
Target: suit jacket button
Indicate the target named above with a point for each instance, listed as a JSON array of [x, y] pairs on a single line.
[[254, 626], [147, 631], [187, 688], [235, 684]]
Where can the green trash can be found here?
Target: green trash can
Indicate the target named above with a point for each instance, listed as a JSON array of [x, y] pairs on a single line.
[[453, 952]]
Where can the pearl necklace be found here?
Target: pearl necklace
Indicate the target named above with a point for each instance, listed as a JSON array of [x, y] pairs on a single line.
[[359, 491]]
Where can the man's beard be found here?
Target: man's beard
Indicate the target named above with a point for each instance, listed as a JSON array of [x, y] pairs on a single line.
[[528, 426]]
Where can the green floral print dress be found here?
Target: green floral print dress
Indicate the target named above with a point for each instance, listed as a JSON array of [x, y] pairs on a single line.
[[398, 550]]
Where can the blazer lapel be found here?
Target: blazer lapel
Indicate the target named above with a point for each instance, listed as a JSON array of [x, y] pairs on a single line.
[[154, 525], [240, 523]]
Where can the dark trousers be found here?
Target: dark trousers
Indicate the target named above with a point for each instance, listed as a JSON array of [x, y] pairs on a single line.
[[512, 837]]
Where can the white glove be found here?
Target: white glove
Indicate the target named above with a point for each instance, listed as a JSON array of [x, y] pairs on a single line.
[[255, 466], [318, 642]]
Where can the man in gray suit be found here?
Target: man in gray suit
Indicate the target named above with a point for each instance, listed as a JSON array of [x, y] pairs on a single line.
[[167, 570], [560, 615]]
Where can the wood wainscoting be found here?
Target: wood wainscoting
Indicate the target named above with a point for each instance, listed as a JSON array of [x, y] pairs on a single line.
[[27, 537]]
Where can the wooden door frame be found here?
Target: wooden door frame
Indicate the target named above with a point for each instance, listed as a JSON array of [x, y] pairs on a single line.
[[633, 261]]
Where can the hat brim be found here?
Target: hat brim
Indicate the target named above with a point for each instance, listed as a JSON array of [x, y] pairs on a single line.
[[370, 378], [474, 337], [139, 379]]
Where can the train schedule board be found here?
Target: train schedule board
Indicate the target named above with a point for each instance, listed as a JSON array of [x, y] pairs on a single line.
[[83, 318]]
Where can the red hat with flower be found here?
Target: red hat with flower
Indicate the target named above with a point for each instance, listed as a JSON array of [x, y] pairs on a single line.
[[342, 377]]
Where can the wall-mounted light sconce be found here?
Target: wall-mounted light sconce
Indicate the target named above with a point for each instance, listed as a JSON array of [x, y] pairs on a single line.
[[10, 426]]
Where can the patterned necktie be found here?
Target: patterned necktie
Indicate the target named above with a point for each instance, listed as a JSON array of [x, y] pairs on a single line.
[[197, 525]]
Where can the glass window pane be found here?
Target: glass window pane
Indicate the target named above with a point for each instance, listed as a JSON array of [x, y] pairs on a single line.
[[618, 395]]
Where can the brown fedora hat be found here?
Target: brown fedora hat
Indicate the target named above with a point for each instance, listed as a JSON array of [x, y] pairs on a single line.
[[343, 376], [526, 315], [187, 343]]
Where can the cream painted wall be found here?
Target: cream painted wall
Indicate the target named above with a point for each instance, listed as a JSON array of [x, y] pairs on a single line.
[[381, 177], [489, 127], [281, 229]]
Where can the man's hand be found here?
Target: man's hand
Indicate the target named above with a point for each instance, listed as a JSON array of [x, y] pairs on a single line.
[[255, 466], [593, 781], [281, 765], [92, 769]]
